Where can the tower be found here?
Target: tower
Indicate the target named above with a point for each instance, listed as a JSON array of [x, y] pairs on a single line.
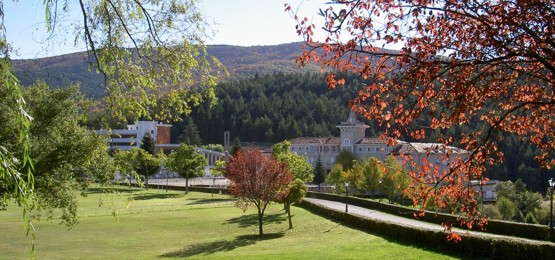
[[352, 131]]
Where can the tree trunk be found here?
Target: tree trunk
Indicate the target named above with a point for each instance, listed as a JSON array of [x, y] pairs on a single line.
[[289, 215], [146, 182], [260, 214], [319, 187], [186, 185]]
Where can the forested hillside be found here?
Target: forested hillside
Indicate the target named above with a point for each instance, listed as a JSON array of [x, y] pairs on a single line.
[[63, 70]]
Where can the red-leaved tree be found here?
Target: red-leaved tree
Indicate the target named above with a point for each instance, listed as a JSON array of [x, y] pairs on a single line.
[[257, 180], [485, 64]]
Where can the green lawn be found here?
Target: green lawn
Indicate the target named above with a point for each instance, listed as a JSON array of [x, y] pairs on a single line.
[[156, 224]]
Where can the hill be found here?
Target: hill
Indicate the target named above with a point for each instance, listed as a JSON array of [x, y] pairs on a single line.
[[63, 70]]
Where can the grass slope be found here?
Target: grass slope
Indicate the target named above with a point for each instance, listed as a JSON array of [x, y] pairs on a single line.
[[158, 225]]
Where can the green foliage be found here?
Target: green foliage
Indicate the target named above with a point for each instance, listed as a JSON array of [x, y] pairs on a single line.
[[372, 174], [66, 155], [16, 165], [190, 134], [395, 179], [516, 203], [186, 162], [319, 172], [274, 107], [506, 207], [147, 164], [336, 178], [355, 177], [236, 146], [214, 147], [297, 191], [297, 164], [147, 144], [218, 169], [346, 159]]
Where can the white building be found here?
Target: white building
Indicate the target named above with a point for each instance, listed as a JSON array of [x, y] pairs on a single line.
[[353, 140], [127, 139]]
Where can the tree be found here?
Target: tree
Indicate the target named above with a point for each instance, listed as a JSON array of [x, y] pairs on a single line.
[[297, 164], [236, 146], [190, 134], [319, 173], [66, 156], [505, 207], [140, 47], [372, 175], [346, 159], [16, 177], [258, 180], [459, 62], [395, 179], [217, 170], [336, 178], [186, 162], [147, 144], [146, 164], [297, 191], [355, 177]]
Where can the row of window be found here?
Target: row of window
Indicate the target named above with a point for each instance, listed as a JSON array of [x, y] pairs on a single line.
[[336, 148]]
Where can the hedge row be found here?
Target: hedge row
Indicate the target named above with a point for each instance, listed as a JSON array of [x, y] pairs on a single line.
[[473, 246], [523, 230]]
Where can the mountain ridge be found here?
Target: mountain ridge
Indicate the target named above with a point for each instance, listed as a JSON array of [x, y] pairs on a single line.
[[240, 61]]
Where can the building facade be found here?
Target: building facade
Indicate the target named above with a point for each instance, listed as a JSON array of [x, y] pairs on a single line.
[[353, 139], [127, 139]]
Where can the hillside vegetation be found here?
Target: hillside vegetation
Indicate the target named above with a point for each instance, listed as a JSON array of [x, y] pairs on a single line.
[[241, 62]]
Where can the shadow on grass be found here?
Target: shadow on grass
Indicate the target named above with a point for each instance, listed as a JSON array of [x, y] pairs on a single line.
[[220, 246], [157, 196], [97, 190], [208, 201], [252, 219]]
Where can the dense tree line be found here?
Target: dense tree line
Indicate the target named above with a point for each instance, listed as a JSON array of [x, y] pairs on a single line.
[[272, 108]]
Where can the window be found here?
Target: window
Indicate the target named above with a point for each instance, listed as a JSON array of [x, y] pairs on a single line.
[[306, 148], [369, 149], [333, 148], [346, 141], [360, 149], [377, 149]]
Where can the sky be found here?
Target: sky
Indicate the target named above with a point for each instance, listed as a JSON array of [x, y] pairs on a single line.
[[236, 22]]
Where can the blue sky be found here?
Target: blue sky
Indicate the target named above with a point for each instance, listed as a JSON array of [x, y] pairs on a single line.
[[237, 22]]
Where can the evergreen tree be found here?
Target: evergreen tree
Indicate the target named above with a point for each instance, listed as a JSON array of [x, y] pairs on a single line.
[[190, 134], [236, 146], [319, 173], [147, 144]]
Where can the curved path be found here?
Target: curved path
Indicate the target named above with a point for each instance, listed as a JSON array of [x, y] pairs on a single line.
[[378, 215]]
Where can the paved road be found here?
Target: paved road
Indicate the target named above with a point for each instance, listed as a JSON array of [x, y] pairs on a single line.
[[409, 221]]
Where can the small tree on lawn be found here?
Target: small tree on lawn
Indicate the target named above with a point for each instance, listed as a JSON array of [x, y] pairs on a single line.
[[187, 163], [217, 170], [258, 180], [297, 191], [146, 164]]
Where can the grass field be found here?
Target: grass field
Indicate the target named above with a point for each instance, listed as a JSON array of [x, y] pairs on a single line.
[[158, 225]]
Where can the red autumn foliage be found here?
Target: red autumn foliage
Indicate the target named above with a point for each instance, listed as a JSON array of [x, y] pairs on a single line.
[[257, 179], [491, 62]]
